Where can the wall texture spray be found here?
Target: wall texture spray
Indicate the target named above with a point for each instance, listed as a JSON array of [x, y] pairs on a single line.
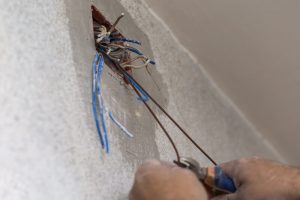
[[49, 148]]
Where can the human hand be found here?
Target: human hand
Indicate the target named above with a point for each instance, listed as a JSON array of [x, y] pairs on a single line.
[[258, 179], [166, 181]]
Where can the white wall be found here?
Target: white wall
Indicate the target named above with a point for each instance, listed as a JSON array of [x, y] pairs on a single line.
[[251, 49], [49, 148]]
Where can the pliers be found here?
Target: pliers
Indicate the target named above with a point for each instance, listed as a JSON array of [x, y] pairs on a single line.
[[213, 177]]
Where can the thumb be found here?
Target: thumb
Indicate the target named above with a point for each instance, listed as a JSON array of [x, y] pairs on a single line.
[[231, 168], [226, 197]]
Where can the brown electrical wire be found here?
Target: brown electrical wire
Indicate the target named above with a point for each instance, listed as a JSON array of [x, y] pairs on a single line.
[[116, 22], [166, 113], [117, 65], [160, 124], [100, 19]]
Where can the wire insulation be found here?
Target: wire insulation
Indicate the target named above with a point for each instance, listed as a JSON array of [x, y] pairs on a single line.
[[100, 100], [94, 99], [125, 40], [124, 130], [165, 112]]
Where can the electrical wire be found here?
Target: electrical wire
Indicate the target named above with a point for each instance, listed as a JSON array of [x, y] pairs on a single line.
[[116, 22], [160, 124], [131, 49], [165, 112], [125, 40], [100, 100], [133, 59], [142, 95], [124, 130], [94, 99], [136, 51], [137, 91], [114, 56], [145, 64]]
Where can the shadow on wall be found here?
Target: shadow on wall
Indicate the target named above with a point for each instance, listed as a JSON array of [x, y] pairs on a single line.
[[117, 97]]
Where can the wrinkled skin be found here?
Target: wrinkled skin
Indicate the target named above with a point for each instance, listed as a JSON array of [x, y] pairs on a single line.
[[157, 180], [255, 179], [258, 179]]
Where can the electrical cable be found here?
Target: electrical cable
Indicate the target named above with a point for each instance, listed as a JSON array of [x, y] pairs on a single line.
[[140, 91], [145, 64], [160, 124], [94, 99], [143, 96], [116, 22], [136, 51], [100, 100], [112, 117], [132, 49], [137, 91], [125, 40], [165, 112], [132, 60]]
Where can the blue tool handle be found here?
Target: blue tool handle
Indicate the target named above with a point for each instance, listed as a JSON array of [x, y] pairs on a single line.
[[223, 182]]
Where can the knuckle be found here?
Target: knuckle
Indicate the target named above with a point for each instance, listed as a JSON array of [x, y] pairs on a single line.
[[254, 158], [244, 161], [186, 173], [151, 163], [240, 163]]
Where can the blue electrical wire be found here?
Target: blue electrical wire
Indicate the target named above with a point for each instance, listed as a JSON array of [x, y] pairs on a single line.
[[119, 125], [144, 96], [125, 40], [134, 50], [94, 99], [100, 100]]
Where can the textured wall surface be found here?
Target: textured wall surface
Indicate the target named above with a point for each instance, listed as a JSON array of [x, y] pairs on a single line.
[[49, 148], [251, 50]]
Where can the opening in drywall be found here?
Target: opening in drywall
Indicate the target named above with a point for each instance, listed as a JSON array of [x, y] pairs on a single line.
[[117, 48]]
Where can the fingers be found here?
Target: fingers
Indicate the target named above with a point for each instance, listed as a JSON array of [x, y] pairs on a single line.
[[163, 180], [226, 197], [153, 167], [159, 163], [236, 169], [150, 164], [230, 168], [155, 163], [241, 171]]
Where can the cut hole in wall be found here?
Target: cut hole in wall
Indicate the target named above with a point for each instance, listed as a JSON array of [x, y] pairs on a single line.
[[110, 41], [115, 47], [127, 52]]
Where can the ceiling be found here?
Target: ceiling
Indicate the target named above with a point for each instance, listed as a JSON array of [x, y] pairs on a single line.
[[252, 51]]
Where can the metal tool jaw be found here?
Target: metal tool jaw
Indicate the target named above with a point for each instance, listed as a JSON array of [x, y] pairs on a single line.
[[213, 177], [194, 166]]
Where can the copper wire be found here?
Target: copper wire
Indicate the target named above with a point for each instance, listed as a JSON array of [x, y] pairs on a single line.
[[100, 19], [160, 124], [167, 114]]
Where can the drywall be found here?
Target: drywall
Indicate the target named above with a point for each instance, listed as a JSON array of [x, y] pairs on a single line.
[[250, 48], [49, 148]]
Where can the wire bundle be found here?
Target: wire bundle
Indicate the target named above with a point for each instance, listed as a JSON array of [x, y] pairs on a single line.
[[98, 104], [118, 49], [114, 47], [97, 100]]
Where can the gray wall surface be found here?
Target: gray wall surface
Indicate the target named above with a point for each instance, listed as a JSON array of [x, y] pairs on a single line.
[[49, 147], [251, 49]]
